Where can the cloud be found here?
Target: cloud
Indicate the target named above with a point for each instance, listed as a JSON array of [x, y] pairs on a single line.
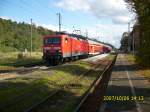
[[121, 19], [49, 26], [74, 5], [107, 33], [5, 17], [54, 27], [113, 9]]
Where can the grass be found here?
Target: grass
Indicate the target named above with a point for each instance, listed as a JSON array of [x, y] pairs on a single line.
[[146, 73], [20, 93], [9, 61], [41, 82], [142, 70], [131, 57]]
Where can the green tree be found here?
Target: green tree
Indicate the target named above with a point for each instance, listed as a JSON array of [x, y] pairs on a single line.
[[16, 36], [142, 9]]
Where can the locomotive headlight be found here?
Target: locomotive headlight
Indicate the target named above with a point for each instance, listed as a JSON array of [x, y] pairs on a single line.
[[59, 50]]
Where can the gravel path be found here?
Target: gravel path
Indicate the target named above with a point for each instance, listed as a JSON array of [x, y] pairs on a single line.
[[127, 91]]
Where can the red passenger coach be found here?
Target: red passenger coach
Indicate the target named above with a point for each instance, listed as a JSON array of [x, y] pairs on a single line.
[[58, 47], [95, 47], [106, 49]]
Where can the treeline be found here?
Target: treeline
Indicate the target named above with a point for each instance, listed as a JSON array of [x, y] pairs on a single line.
[[142, 9], [16, 36]]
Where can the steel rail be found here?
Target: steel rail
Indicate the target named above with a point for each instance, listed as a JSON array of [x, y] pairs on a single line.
[[94, 85]]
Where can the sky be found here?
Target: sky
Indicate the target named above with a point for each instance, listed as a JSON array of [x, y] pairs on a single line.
[[104, 20]]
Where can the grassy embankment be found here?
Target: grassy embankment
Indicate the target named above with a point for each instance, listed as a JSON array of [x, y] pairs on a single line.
[[21, 92], [141, 70], [9, 61]]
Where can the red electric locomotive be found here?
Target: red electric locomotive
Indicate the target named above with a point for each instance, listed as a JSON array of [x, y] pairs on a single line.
[[59, 47]]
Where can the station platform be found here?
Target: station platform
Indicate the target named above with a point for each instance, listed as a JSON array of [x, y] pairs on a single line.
[[128, 90]]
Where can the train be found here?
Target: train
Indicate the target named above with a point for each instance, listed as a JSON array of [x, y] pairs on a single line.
[[61, 47]]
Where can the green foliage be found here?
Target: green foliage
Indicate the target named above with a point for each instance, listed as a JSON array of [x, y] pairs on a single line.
[[16, 36], [141, 7], [18, 59]]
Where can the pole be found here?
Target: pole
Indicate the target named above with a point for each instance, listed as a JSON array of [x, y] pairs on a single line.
[[73, 29], [31, 39], [133, 42], [133, 47], [128, 45], [59, 17], [129, 27], [78, 32], [86, 33]]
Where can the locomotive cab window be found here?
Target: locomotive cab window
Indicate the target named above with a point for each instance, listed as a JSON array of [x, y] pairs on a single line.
[[47, 41], [56, 40], [52, 40]]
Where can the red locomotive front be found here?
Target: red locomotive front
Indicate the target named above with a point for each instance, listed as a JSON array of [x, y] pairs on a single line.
[[52, 49]]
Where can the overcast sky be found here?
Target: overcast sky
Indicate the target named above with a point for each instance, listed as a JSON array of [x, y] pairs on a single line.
[[105, 20]]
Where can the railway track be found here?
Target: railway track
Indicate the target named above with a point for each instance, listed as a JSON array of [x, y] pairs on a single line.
[[7, 74], [70, 84], [35, 107], [32, 67], [93, 98], [18, 72]]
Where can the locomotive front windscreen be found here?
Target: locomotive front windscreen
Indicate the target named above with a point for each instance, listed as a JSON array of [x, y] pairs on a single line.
[[52, 40]]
